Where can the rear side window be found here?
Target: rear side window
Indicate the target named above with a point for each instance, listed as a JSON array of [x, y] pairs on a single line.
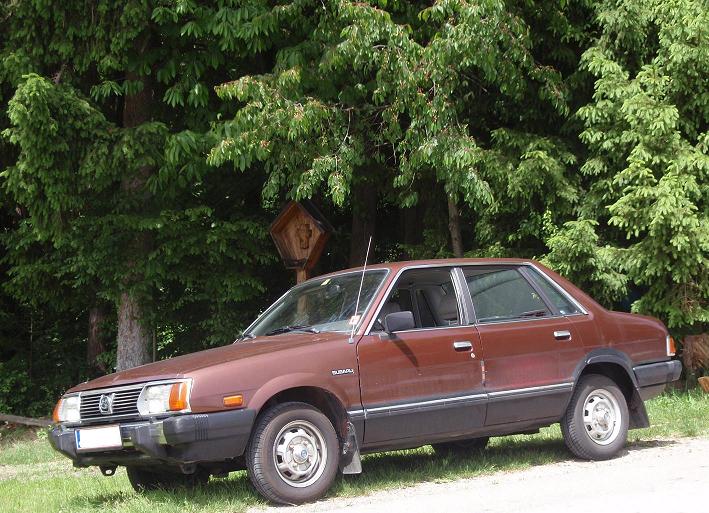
[[503, 294], [564, 306]]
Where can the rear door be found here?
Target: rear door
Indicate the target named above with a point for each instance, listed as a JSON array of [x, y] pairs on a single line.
[[525, 341]]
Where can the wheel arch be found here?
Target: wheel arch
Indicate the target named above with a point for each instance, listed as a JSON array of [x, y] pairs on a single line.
[[320, 398], [618, 367]]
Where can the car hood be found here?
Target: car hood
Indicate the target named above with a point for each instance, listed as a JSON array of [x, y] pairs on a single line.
[[182, 366]]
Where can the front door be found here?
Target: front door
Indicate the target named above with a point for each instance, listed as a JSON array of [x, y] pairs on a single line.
[[425, 382], [525, 341]]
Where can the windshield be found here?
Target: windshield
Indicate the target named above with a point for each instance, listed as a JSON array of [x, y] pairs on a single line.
[[327, 304]]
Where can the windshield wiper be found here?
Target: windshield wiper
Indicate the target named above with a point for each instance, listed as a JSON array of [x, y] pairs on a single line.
[[294, 327]]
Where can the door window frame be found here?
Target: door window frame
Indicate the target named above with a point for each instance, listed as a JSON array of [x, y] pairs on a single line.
[[459, 289], [465, 298]]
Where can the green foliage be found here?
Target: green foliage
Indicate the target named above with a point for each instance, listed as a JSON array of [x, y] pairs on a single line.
[[575, 253], [576, 132], [81, 185], [404, 93], [646, 130]]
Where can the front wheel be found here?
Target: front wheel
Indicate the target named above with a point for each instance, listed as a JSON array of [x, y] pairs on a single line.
[[595, 425], [293, 454]]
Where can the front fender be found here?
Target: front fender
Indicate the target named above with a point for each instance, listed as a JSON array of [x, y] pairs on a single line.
[[294, 380]]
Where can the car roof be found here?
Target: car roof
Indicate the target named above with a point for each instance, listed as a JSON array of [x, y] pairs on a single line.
[[396, 266]]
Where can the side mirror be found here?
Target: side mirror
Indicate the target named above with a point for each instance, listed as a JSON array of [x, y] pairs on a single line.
[[399, 321]]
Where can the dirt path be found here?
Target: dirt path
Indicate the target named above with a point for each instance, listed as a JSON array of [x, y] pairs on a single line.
[[651, 477]]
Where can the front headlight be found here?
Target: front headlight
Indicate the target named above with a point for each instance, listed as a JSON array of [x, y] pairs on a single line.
[[67, 409], [164, 398]]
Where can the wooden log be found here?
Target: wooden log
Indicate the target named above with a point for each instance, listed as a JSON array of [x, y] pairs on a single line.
[[25, 421], [704, 383]]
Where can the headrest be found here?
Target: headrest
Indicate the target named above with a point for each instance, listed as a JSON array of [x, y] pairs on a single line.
[[388, 308], [448, 308]]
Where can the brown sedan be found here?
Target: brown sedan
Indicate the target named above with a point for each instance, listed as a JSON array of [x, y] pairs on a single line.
[[440, 352]]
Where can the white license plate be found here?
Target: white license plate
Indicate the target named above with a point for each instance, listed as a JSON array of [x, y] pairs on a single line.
[[91, 439]]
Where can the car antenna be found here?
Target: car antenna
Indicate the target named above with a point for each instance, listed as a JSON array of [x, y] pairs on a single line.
[[355, 318]]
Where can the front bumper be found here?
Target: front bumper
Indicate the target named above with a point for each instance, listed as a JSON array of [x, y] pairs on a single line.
[[179, 440]]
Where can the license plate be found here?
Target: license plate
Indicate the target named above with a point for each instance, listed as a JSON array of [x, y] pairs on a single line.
[[91, 439]]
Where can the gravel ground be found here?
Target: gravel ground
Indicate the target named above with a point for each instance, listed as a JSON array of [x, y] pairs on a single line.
[[655, 476]]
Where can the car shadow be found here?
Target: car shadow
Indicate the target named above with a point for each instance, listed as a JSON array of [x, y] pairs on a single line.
[[639, 445], [236, 487], [382, 470]]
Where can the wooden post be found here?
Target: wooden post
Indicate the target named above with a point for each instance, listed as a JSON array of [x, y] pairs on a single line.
[[301, 275]]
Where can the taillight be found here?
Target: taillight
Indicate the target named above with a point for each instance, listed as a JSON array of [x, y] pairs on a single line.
[[671, 347]]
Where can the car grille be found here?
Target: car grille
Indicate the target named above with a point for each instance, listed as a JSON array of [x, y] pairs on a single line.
[[125, 403]]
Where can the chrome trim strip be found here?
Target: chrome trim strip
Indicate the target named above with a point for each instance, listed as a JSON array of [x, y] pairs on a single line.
[[490, 395], [522, 391], [520, 319], [109, 390], [432, 402]]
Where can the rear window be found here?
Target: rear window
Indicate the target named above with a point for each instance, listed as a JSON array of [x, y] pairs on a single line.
[[503, 294]]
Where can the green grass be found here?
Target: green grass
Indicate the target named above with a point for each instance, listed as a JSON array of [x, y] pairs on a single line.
[[34, 478]]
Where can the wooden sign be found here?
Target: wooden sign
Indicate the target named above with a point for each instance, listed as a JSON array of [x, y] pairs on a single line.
[[300, 232]]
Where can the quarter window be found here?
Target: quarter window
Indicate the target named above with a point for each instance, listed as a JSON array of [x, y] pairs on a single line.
[[502, 295], [564, 306]]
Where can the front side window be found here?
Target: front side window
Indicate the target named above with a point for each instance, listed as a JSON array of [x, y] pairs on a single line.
[[503, 295], [326, 304], [429, 294]]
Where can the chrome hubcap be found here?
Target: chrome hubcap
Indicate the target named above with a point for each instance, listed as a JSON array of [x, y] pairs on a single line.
[[601, 416], [299, 453]]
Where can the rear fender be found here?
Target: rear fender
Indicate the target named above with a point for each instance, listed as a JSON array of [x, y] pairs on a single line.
[[619, 367]]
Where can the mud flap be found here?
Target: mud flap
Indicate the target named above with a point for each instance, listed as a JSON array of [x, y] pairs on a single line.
[[350, 462], [637, 411]]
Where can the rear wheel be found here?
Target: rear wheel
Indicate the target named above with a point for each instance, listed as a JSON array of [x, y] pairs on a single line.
[[154, 478], [293, 454], [461, 446], [595, 425]]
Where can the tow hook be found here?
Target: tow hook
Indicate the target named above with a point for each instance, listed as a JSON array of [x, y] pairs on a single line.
[[108, 470]]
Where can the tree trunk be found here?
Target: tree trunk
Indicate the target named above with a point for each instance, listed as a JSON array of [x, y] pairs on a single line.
[[95, 346], [364, 219], [134, 334], [134, 338], [454, 227]]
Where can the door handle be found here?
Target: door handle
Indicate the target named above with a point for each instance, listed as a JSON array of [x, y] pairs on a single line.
[[463, 345], [562, 335]]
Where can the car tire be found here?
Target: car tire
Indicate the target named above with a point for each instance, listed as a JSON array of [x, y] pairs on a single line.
[[293, 455], [144, 479], [595, 425], [461, 446]]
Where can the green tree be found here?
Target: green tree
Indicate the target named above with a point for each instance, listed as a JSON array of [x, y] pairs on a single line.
[[647, 132], [405, 95], [110, 119]]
